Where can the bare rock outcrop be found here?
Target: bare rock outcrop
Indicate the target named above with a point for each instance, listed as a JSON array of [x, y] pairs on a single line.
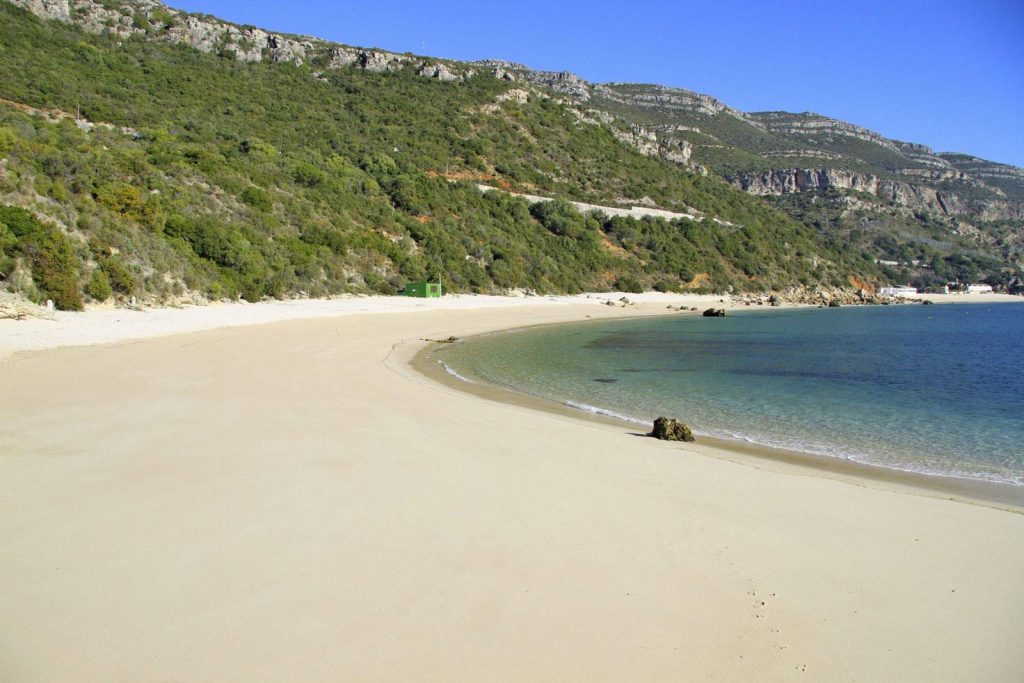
[[899, 192], [663, 97], [47, 9], [14, 307], [564, 82], [833, 296]]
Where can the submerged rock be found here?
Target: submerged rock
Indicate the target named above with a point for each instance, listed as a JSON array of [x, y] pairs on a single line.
[[714, 313], [671, 430]]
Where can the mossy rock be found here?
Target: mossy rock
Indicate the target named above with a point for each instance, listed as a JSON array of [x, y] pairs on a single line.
[[668, 429]]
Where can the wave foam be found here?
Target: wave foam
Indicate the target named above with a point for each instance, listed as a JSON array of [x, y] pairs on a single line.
[[455, 374], [587, 408], [864, 458]]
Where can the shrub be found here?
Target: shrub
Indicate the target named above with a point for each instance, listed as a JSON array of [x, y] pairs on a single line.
[[309, 175], [251, 291], [121, 198], [628, 283], [98, 287], [560, 217], [8, 242], [257, 198], [140, 21], [665, 286], [49, 253], [118, 275]]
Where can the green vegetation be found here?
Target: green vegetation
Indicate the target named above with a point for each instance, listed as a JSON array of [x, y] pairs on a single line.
[[48, 252], [98, 287], [928, 250], [201, 173]]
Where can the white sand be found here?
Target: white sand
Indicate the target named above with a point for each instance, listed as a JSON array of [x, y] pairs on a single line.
[[112, 325], [292, 502]]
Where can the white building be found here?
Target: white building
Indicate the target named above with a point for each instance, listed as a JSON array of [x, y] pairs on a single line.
[[897, 291], [979, 289]]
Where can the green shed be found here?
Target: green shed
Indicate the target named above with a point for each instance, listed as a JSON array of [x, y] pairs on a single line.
[[426, 290]]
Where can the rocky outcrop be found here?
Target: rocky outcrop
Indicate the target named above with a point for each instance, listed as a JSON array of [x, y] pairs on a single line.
[[671, 430], [564, 82], [714, 313], [937, 175], [649, 142], [814, 125], [901, 193], [15, 307], [670, 99], [987, 170], [245, 43], [833, 296], [439, 71], [48, 9], [643, 140], [923, 154]]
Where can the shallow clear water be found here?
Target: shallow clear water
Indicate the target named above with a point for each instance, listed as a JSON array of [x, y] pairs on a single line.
[[935, 389]]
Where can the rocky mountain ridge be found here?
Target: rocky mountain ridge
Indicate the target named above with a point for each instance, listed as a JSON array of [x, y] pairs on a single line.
[[777, 147], [246, 43], [667, 126]]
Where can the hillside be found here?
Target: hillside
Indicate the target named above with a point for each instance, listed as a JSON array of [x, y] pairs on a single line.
[[899, 201], [150, 153]]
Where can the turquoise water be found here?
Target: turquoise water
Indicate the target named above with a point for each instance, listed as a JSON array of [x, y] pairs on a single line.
[[933, 389]]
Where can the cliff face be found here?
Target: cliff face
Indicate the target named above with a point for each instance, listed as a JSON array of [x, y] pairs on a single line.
[[900, 193], [774, 153], [692, 129]]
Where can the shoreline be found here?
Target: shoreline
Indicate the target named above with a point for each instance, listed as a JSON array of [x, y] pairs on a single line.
[[111, 325], [999, 495], [106, 326]]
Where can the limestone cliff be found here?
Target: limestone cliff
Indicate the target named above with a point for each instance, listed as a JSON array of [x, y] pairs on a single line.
[[901, 193]]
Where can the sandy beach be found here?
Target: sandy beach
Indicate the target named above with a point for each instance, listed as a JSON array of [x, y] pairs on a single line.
[[272, 492]]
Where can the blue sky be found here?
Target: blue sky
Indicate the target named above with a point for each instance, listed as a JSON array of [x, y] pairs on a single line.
[[946, 74]]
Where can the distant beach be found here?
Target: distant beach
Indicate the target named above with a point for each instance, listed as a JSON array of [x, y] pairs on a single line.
[[273, 492]]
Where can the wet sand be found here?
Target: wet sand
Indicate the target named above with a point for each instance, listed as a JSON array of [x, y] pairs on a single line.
[[994, 494]]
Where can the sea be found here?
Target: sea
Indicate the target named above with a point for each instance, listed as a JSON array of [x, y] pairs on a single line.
[[929, 389]]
